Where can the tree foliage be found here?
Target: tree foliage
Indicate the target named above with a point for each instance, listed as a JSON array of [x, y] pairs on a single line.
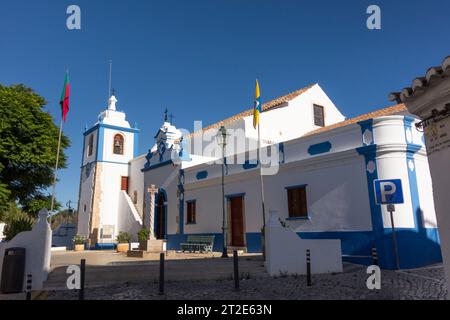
[[28, 142]]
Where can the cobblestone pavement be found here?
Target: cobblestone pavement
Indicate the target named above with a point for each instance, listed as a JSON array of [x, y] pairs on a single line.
[[426, 283]]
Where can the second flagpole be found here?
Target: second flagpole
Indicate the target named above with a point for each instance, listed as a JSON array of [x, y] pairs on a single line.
[[56, 166]]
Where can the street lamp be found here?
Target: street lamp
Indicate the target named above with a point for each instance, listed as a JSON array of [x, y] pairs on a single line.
[[222, 137]]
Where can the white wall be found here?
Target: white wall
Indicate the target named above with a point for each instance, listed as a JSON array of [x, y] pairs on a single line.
[[426, 196], [37, 244], [92, 157], [85, 198], [136, 182], [110, 186], [286, 252], [336, 192], [108, 146]]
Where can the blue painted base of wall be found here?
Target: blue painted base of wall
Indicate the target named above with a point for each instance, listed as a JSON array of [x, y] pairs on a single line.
[[416, 248], [253, 241], [103, 246]]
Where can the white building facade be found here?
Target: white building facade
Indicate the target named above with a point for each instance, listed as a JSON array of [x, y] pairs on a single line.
[[320, 174]]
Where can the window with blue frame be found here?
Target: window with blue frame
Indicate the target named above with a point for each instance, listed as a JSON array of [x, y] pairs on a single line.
[[297, 202], [191, 212]]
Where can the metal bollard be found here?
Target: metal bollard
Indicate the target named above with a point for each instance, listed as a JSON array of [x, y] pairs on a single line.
[[308, 268], [29, 286], [236, 270], [375, 256], [161, 273], [82, 279]]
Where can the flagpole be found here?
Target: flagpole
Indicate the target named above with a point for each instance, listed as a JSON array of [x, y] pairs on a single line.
[[262, 194], [56, 165]]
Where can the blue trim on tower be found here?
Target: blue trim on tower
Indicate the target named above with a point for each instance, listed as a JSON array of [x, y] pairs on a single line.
[[100, 141], [108, 126], [369, 152], [136, 144]]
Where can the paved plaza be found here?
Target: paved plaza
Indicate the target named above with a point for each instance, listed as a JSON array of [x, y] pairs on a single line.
[[199, 276]]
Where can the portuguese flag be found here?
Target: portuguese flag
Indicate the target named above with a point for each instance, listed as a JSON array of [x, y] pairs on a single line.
[[64, 101]]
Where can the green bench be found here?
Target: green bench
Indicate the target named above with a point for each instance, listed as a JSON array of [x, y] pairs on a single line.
[[198, 243]]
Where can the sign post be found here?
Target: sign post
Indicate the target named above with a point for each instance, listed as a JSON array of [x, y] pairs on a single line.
[[391, 210], [389, 192]]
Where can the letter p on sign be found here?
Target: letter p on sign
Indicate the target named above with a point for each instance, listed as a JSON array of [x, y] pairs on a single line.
[[388, 191]]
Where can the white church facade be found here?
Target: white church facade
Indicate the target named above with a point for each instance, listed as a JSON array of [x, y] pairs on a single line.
[[320, 171]]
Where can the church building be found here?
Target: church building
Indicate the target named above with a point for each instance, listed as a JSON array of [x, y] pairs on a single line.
[[319, 174]]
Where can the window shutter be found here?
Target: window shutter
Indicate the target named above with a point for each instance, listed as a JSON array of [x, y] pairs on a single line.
[[297, 204]]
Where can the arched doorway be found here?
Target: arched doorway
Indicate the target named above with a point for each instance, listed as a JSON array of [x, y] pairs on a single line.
[[160, 223]]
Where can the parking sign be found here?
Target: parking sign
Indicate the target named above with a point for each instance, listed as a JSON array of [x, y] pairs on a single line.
[[388, 191]]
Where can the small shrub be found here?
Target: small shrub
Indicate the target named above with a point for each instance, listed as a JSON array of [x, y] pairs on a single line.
[[123, 237], [15, 227], [143, 234], [79, 239]]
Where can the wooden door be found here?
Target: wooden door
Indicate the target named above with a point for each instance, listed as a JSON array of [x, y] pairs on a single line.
[[124, 184], [160, 217], [237, 221]]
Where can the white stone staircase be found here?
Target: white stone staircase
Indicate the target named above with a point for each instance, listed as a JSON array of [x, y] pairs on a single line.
[[129, 219]]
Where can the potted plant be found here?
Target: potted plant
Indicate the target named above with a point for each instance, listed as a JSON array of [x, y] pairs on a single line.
[[143, 235], [79, 242], [123, 240]]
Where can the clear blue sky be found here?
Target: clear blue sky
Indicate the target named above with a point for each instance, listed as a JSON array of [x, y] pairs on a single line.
[[200, 58]]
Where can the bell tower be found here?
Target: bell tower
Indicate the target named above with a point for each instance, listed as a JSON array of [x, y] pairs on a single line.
[[108, 147]]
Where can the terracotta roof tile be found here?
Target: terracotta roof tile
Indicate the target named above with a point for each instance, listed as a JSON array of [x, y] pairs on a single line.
[[419, 84], [374, 114]]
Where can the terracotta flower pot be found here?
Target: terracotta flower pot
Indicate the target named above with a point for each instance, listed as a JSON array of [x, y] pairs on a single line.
[[79, 247], [122, 247]]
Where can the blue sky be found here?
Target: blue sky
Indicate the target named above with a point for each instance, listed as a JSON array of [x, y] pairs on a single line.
[[200, 58]]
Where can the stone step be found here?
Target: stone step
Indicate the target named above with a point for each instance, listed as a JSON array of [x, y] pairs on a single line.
[[156, 245]]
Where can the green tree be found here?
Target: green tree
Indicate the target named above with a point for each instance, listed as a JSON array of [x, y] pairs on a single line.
[[28, 142]]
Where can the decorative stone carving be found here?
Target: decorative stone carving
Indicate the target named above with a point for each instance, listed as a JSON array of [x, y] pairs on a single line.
[[148, 223]]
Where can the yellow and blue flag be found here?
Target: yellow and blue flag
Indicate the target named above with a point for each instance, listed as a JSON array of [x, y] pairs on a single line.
[[257, 107]]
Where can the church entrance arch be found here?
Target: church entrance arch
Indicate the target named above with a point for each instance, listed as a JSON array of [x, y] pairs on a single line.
[[161, 215]]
